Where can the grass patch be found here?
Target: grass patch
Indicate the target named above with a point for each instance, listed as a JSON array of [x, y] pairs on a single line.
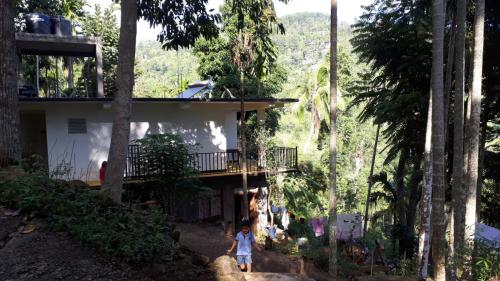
[[131, 234]]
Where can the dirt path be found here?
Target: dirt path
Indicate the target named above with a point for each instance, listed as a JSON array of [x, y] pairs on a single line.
[[209, 240]]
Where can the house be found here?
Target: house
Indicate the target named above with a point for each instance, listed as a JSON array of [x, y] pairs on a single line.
[[74, 134]]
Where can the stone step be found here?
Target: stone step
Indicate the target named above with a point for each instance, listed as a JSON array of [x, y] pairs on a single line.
[[265, 276]]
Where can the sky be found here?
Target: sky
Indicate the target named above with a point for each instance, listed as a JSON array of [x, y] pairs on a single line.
[[348, 11]]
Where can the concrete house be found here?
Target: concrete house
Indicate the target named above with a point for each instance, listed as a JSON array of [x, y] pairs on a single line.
[[73, 134]]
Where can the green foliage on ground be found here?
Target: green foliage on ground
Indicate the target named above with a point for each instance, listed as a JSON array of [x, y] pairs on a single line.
[[128, 233]]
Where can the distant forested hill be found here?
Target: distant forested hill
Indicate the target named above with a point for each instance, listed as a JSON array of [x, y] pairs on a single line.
[[301, 49]]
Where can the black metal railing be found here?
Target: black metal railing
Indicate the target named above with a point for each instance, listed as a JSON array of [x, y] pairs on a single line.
[[223, 162]]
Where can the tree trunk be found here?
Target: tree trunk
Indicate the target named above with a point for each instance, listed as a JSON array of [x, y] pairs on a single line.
[[482, 137], [425, 203], [438, 168], [370, 184], [332, 268], [122, 101], [243, 146], [10, 147], [472, 167], [413, 188], [457, 231]]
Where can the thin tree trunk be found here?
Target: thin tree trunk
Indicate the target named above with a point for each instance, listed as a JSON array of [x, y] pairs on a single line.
[[10, 147], [370, 184], [457, 230], [411, 212], [448, 78], [472, 167], [425, 203], [438, 168], [243, 145], [122, 101], [332, 268], [480, 168]]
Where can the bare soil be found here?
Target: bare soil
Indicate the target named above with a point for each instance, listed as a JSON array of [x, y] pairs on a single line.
[[45, 255]]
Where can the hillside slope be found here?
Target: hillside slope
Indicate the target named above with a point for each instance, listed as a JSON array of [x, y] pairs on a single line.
[[301, 49]]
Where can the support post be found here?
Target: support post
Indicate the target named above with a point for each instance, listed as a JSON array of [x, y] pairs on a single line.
[[228, 209], [98, 66], [38, 75]]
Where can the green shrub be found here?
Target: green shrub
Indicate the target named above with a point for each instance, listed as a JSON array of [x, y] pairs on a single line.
[[134, 235]]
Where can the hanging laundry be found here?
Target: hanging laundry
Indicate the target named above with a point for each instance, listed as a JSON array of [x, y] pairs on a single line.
[[274, 209], [318, 226], [271, 232], [285, 219]]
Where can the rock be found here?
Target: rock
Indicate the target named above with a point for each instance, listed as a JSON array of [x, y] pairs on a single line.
[[226, 269], [264, 276], [200, 260]]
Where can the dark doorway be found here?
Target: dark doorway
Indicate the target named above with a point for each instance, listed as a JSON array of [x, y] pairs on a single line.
[[34, 134]]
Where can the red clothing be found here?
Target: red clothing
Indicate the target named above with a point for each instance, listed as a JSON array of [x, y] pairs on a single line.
[[102, 174]]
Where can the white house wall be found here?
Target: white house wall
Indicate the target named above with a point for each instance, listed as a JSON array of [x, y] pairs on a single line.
[[78, 156]]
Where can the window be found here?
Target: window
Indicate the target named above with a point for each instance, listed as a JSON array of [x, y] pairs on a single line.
[[77, 126]]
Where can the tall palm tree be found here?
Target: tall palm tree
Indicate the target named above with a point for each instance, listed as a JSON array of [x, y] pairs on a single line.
[[122, 102], [333, 263], [315, 91], [458, 132], [424, 237], [438, 142], [473, 141], [10, 147]]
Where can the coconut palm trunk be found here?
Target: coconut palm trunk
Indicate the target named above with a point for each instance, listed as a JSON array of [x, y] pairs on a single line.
[[243, 148], [424, 237], [10, 147], [333, 142], [458, 134], [438, 142], [122, 102], [473, 135]]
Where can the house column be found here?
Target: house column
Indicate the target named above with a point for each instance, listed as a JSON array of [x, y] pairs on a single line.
[[228, 209], [98, 68]]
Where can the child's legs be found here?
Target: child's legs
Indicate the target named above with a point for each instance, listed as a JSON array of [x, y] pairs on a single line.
[[245, 262]]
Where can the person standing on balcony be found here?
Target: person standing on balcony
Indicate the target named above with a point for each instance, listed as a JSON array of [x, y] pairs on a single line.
[[102, 171]]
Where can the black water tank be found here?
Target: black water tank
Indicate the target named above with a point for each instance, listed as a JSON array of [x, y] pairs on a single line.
[[37, 23], [60, 26]]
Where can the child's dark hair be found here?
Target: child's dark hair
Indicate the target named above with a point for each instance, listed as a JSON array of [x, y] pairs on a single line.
[[245, 222], [104, 164]]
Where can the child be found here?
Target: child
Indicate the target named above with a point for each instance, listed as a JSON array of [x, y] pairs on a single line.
[[102, 171], [245, 241]]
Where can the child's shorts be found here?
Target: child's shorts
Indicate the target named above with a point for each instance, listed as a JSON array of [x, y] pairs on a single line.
[[244, 259]]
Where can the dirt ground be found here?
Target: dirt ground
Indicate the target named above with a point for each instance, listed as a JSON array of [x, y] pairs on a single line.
[[43, 255], [210, 240]]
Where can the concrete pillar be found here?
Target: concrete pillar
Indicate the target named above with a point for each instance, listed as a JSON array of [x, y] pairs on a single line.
[[228, 209], [98, 66], [70, 75]]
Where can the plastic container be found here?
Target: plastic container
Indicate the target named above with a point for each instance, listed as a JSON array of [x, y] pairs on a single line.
[[38, 23], [60, 26]]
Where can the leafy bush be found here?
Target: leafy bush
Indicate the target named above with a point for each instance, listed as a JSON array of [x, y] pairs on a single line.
[[134, 235], [170, 167]]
